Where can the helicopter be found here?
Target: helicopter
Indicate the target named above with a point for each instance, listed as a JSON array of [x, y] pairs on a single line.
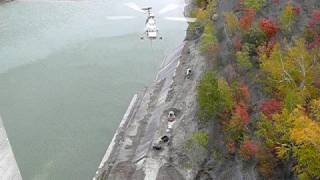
[[151, 30]]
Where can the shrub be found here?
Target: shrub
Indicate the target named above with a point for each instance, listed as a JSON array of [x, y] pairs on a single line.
[[202, 3], [306, 138], [315, 109], [231, 147], [245, 93], [243, 58], [235, 129], [292, 100], [232, 22], [209, 40], [253, 39], [201, 138], [248, 150], [226, 94], [209, 97], [246, 21], [267, 47], [253, 4], [241, 111], [313, 30], [202, 16], [269, 28], [237, 43], [271, 107], [289, 16], [266, 163], [315, 21]]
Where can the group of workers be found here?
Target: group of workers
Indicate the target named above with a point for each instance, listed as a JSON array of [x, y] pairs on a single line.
[[171, 120]]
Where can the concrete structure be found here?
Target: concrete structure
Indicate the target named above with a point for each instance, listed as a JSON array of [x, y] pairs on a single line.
[[8, 166]]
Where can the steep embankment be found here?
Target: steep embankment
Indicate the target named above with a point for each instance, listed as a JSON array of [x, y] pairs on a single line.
[[249, 110], [261, 97]]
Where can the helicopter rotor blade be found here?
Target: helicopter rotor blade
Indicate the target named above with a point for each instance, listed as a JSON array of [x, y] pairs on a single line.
[[183, 19], [51, 1], [168, 8], [120, 17], [134, 6]]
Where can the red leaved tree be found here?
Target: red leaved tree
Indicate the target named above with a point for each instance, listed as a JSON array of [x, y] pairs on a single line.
[[269, 27], [231, 147], [313, 31], [237, 42], [245, 93], [271, 107], [247, 20], [248, 149], [315, 19], [242, 112]]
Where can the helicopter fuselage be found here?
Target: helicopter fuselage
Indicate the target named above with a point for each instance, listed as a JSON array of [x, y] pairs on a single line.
[[151, 30]]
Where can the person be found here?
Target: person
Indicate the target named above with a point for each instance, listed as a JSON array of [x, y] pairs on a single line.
[[188, 73]]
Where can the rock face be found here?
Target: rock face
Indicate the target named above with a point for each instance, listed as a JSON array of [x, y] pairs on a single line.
[[133, 157]]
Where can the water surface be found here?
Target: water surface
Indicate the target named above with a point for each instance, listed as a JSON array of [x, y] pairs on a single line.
[[67, 75]]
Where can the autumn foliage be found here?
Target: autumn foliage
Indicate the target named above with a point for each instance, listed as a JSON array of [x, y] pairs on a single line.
[[247, 20], [313, 30], [271, 107], [242, 112], [315, 20], [248, 150], [231, 147], [269, 27], [244, 93]]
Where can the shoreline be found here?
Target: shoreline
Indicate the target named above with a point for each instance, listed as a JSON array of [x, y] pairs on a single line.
[[134, 125]]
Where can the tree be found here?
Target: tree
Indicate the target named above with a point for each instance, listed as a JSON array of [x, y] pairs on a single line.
[[248, 149], [243, 58], [266, 162], [271, 107], [213, 99], [209, 40], [306, 138], [247, 20], [269, 28], [289, 16], [245, 94], [253, 4], [290, 68], [235, 129], [241, 111], [315, 109], [232, 22], [201, 138]]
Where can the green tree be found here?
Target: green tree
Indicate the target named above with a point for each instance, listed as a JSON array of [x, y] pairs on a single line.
[[214, 96], [254, 4], [232, 22]]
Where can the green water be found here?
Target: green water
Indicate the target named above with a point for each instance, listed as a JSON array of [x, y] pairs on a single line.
[[67, 76]]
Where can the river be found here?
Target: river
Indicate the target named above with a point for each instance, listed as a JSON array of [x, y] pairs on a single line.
[[67, 75]]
